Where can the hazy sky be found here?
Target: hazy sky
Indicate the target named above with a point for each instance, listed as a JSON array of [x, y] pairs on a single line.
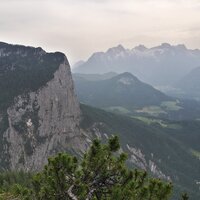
[[81, 27]]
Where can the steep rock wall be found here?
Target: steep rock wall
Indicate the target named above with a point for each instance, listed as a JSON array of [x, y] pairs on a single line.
[[44, 122]]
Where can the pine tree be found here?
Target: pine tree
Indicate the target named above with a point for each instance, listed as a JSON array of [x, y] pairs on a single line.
[[101, 175], [184, 196]]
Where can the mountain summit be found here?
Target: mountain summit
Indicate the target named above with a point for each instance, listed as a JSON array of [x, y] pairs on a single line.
[[160, 65], [123, 90], [39, 112]]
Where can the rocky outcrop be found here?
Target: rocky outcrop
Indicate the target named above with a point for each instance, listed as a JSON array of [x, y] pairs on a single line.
[[139, 160], [136, 157], [43, 122]]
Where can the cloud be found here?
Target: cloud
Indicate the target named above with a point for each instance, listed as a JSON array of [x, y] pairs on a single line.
[[80, 27]]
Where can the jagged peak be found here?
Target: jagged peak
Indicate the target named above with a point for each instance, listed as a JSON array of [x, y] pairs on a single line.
[[140, 47], [126, 78], [116, 49], [166, 45], [169, 46]]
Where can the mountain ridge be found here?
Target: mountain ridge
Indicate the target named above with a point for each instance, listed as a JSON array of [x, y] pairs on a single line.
[[40, 114], [160, 65], [121, 90], [124, 93]]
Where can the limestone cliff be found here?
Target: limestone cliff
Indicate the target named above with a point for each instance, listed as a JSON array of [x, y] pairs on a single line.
[[41, 121]]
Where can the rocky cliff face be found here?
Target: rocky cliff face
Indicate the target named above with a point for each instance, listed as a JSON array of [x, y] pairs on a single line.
[[41, 121], [136, 157]]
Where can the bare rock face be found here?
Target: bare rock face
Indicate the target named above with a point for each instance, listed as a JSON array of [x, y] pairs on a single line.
[[43, 122], [136, 156]]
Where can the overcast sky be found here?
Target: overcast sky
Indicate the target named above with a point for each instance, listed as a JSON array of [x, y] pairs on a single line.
[[81, 27]]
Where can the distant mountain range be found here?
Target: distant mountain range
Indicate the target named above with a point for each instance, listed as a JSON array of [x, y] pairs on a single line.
[[126, 94], [161, 65], [40, 116], [123, 90]]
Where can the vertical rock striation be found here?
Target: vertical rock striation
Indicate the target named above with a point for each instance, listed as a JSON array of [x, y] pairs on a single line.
[[42, 122]]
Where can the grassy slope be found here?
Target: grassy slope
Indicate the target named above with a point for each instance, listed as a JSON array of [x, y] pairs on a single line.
[[135, 96], [167, 145]]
